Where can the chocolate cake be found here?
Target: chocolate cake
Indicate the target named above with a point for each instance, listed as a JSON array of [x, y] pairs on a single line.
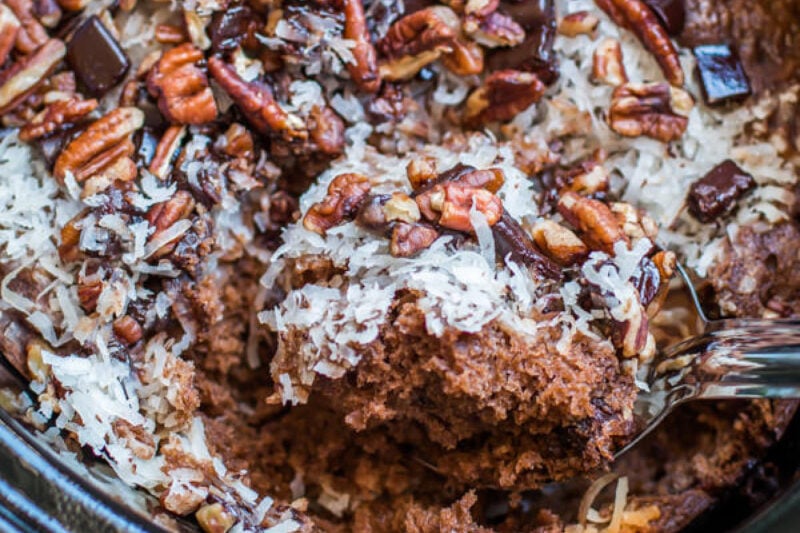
[[365, 265]]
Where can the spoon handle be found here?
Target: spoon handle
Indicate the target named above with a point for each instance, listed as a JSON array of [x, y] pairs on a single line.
[[736, 359]]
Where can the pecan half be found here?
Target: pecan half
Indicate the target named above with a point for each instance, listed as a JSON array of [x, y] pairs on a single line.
[[364, 69], [656, 110], [598, 226], [559, 243], [170, 34], [255, 100], [607, 65], [503, 95], [345, 194], [28, 74], [494, 30], [410, 238], [417, 40], [103, 143], [640, 19], [181, 86], [578, 23], [31, 35], [58, 115], [9, 27]]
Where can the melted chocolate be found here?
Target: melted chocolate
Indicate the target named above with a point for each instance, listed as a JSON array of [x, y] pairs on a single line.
[[722, 75], [96, 57], [535, 54], [716, 193]]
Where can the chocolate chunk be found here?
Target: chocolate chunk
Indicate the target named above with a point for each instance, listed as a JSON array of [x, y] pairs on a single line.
[[722, 75], [233, 27], [535, 54], [715, 194], [511, 239], [671, 14], [96, 57]]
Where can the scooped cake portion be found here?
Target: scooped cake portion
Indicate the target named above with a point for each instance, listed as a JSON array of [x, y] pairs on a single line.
[[442, 299]]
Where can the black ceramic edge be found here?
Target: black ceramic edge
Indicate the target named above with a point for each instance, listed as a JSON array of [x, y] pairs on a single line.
[[38, 492]]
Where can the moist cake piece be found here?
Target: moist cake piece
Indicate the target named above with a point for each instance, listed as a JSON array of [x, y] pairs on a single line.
[[440, 299]]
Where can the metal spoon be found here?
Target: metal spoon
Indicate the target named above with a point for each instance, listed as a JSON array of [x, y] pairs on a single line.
[[728, 359]]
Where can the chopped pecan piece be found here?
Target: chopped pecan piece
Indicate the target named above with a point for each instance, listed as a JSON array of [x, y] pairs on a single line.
[[184, 96], [31, 35], [237, 142], [449, 205], [68, 249], [578, 23], [58, 115], [465, 59], [640, 19], [127, 329], [364, 69], [559, 243], [162, 216], [607, 65], [256, 102], [326, 130], [636, 224], [89, 292], [411, 238], [666, 263], [502, 96], [598, 226], [417, 40], [103, 144], [170, 34], [656, 110], [421, 171], [166, 150], [345, 194], [632, 337], [26, 76], [9, 27], [401, 207], [494, 30]]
